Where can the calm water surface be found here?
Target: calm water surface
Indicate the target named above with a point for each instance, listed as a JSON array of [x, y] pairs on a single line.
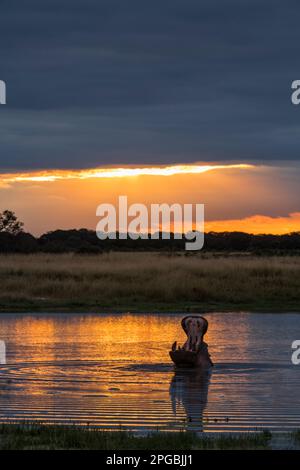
[[114, 370]]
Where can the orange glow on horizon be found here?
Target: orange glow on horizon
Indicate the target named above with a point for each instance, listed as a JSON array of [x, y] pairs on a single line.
[[237, 197], [257, 224], [122, 172]]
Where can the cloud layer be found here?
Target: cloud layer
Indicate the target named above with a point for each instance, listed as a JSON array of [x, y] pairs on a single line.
[[93, 82]]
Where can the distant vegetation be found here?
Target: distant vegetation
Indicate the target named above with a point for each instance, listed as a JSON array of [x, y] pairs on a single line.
[[13, 239], [86, 241], [149, 282]]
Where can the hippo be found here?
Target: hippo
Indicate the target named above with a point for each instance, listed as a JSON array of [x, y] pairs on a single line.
[[194, 352]]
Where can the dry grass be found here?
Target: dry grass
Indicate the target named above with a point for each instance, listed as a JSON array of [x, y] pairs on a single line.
[[143, 281], [38, 437]]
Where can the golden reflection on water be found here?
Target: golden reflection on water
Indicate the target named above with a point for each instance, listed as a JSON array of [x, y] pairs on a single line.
[[112, 370], [114, 336]]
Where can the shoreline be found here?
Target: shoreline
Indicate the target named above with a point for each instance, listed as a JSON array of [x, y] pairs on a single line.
[[40, 436], [150, 309], [142, 312]]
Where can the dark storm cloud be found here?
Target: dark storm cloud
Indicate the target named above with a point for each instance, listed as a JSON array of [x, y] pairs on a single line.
[[95, 82]]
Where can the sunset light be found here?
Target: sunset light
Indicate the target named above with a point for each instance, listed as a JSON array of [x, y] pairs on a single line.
[[150, 231], [125, 172]]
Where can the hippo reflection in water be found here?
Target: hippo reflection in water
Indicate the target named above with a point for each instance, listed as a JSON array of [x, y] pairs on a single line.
[[188, 393], [194, 352]]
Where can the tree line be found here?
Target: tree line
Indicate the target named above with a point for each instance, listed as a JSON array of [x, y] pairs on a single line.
[[13, 239]]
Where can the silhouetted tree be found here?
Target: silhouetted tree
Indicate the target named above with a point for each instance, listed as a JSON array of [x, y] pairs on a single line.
[[9, 223]]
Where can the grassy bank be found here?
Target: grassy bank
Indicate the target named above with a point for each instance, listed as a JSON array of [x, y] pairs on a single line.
[[148, 282], [18, 437]]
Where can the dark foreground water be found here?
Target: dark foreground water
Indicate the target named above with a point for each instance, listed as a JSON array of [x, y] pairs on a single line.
[[114, 371]]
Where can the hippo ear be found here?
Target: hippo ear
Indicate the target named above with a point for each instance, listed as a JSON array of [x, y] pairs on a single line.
[[205, 327], [183, 324]]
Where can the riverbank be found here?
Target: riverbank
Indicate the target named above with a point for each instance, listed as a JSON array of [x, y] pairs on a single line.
[[32, 436], [149, 282]]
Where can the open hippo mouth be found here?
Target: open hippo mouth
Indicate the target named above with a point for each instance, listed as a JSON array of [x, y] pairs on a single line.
[[194, 352]]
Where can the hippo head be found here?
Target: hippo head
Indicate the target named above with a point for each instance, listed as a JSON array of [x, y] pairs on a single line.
[[194, 352], [195, 328]]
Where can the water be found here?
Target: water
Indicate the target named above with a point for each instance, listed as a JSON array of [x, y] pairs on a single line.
[[114, 371]]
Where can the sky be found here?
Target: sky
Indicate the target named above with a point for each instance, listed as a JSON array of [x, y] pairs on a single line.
[[110, 84]]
